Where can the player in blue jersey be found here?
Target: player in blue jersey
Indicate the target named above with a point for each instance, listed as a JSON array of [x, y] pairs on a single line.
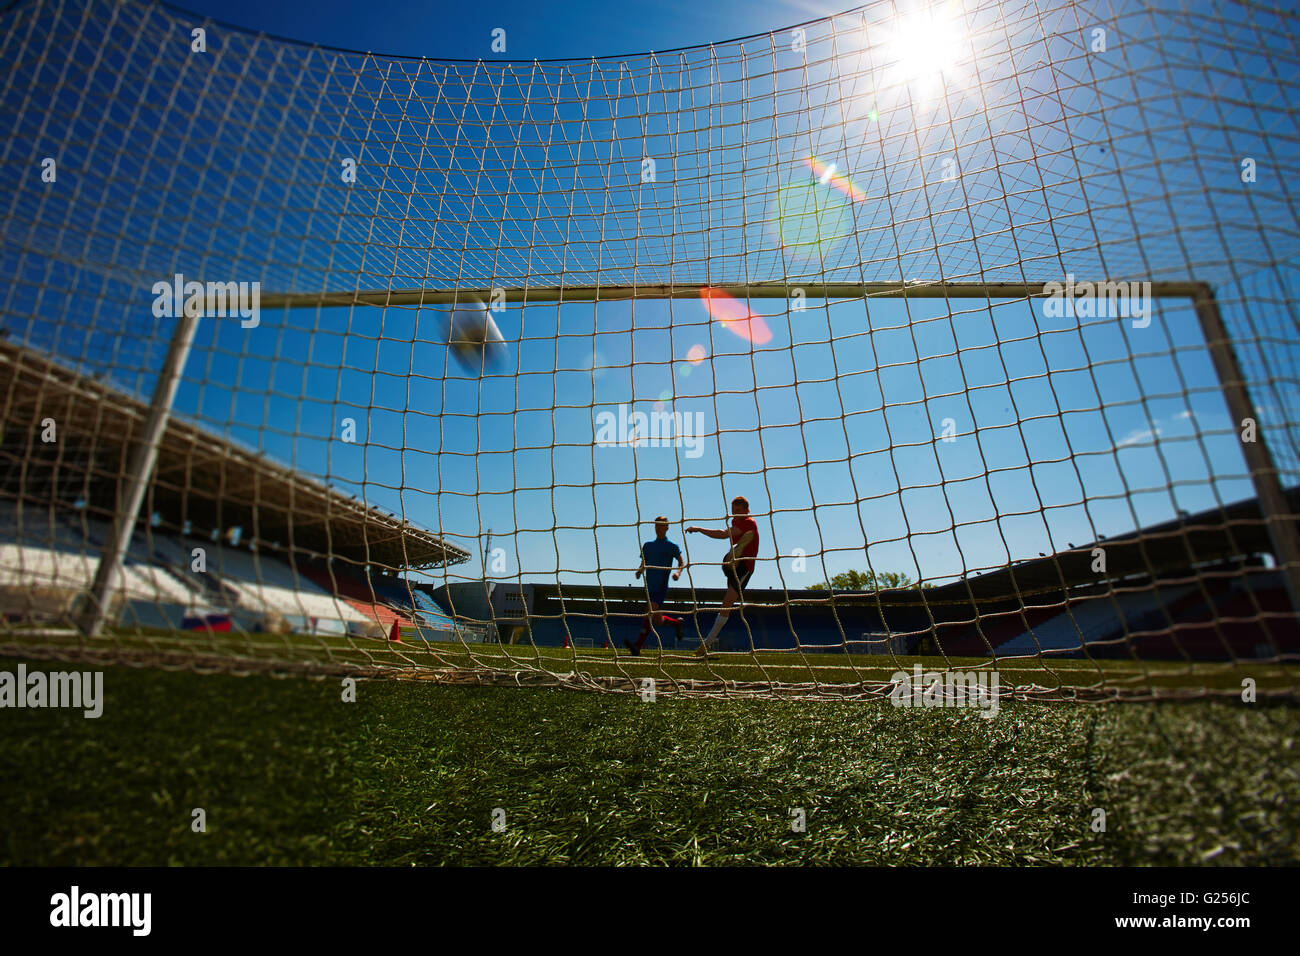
[[657, 559]]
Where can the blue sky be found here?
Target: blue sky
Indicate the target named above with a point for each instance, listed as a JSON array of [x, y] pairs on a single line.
[[1064, 429], [574, 29]]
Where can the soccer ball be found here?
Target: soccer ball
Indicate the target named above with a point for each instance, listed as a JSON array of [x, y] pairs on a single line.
[[472, 335]]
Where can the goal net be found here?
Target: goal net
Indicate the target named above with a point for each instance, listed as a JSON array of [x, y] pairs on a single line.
[[333, 362]]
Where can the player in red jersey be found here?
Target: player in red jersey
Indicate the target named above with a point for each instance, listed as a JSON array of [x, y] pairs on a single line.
[[737, 566]]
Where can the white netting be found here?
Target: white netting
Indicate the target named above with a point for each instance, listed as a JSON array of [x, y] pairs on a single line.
[[746, 216]]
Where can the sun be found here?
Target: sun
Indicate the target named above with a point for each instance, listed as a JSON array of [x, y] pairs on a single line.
[[923, 49]]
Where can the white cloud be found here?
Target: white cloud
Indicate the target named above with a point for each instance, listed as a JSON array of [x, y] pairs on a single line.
[[1139, 436]]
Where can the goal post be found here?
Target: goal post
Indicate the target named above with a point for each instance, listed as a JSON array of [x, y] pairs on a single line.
[[1279, 515], [1264, 474]]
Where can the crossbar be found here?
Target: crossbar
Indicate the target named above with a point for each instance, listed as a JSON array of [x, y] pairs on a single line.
[[752, 290]]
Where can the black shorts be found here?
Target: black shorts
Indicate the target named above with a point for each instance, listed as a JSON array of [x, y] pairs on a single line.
[[734, 581]]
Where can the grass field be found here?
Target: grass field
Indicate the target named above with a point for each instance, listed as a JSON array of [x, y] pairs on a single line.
[[412, 771], [1039, 675]]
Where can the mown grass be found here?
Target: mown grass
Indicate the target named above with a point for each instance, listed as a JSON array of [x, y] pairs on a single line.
[[411, 774]]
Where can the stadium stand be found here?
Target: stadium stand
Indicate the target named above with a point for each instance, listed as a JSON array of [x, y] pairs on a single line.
[[53, 572], [429, 610], [356, 592], [46, 553], [1228, 619], [1097, 619], [400, 596], [266, 584]]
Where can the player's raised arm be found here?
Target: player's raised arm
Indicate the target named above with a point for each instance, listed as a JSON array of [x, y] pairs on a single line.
[[709, 532]]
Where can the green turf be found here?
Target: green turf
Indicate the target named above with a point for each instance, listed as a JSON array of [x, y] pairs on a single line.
[[411, 773]]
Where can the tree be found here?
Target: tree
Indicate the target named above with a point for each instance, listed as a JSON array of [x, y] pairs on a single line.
[[868, 581]]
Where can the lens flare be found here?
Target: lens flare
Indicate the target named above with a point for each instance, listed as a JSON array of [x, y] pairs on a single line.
[[811, 219], [735, 316], [829, 176], [696, 354]]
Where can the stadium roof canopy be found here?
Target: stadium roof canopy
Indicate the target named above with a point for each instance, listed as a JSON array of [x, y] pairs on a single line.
[[200, 477]]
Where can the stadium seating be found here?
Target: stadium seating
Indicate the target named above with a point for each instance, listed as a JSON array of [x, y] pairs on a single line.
[[1097, 619], [429, 610], [265, 583], [354, 591], [41, 549], [407, 601], [1239, 620]]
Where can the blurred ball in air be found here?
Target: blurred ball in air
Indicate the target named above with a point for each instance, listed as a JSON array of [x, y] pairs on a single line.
[[471, 334]]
